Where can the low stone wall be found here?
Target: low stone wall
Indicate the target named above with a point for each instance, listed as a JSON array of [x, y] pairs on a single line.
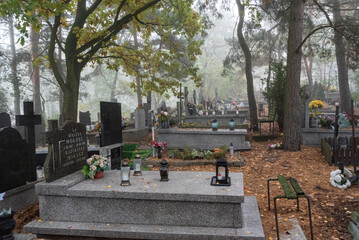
[[313, 136], [20, 198], [223, 120], [134, 135], [203, 139]]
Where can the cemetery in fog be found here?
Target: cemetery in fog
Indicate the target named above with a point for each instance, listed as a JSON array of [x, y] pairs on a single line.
[[179, 119]]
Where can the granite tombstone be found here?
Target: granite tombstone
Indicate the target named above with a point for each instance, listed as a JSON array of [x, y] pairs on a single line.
[[111, 132], [85, 118], [5, 120], [17, 160], [67, 151]]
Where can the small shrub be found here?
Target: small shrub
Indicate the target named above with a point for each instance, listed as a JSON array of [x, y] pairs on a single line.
[[187, 154], [207, 154], [195, 154], [177, 154]]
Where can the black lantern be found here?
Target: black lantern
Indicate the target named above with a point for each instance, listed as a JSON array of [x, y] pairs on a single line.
[[125, 174], [137, 165], [221, 178], [232, 124], [164, 171], [215, 125]]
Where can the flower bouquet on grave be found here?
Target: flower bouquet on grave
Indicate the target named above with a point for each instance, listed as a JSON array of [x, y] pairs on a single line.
[[159, 146], [7, 222], [95, 166], [123, 123], [140, 107]]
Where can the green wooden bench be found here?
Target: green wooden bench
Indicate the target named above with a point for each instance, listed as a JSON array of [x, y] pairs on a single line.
[[291, 190], [270, 119], [354, 225]]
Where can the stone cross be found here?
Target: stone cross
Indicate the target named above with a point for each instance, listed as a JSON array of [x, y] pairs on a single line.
[[29, 120], [186, 100], [5, 120], [194, 97]]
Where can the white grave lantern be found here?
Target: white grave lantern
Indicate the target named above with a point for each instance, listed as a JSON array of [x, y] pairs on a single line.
[[125, 174], [137, 164]]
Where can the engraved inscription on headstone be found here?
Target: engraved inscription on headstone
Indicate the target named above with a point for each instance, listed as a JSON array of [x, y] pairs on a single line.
[[67, 149]]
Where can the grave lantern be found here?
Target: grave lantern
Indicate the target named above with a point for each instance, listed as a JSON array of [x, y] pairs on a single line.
[[164, 171], [137, 163], [231, 150], [232, 124], [221, 178], [125, 174], [214, 125]]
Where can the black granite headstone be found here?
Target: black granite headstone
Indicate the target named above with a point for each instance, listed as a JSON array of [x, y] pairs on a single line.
[[16, 159], [5, 120], [111, 130], [111, 119], [85, 118], [67, 151]]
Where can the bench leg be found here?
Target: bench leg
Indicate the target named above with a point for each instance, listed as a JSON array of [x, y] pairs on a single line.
[[276, 216], [268, 180], [310, 218], [297, 204]]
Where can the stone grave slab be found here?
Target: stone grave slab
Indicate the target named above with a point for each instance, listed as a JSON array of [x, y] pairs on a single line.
[[17, 160], [67, 151], [186, 207], [5, 120]]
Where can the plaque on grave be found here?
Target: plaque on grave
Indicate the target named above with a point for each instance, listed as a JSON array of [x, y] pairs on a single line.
[[85, 118], [17, 160], [67, 151], [5, 120]]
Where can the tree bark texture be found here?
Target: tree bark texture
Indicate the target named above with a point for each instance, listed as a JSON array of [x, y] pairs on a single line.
[[340, 54], [35, 77], [248, 62], [14, 78], [308, 60], [138, 77], [291, 139]]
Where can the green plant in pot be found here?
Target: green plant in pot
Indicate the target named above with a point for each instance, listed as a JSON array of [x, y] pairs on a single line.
[[7, 222]]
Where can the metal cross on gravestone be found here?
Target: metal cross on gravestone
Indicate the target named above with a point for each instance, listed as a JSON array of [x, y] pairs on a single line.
[[29, 120]]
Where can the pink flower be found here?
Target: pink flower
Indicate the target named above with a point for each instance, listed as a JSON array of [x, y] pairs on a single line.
[[101, 165], [94, 168]]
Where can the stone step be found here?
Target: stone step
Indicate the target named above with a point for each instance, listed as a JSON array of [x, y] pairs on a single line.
[[251, 229]]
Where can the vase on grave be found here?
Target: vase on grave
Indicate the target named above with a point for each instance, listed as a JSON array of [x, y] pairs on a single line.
[[159, 152], [314, 122], [7, 225], [98, 175], [165, 124], [191, 111]]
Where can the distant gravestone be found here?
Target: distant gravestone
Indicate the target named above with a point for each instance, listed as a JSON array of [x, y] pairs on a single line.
[[162, 107], [85, 118], [5, 120], [67, 151], [111, 130], [148, 120], [17, 160]]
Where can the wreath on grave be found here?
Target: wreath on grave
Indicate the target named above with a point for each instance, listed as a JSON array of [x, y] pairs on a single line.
[[338, 180]]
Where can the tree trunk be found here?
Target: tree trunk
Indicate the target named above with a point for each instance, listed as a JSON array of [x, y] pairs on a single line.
[[59, 65], [34, 36], [340, 53], [291, 139], [14, 78], [113, 89], [248, 61], [138, 77], [308, 60]]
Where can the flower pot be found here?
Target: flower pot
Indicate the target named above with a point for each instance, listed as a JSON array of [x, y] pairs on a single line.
[[98, 175], [7, 225], [159, 153]]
